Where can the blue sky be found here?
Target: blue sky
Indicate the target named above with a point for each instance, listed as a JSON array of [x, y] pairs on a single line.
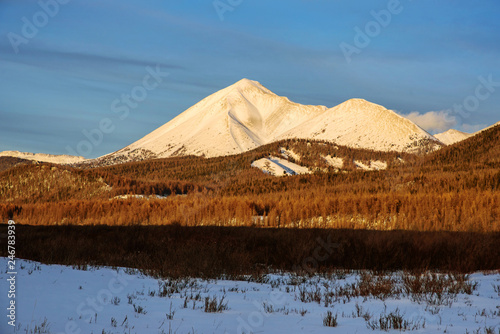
[[425, 59]]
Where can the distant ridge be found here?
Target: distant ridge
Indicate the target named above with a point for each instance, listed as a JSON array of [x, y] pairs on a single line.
[[482, 148], [452, 136], [57, 159]]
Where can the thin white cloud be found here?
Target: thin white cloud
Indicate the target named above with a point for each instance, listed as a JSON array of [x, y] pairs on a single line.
[[433, 121], [471, 128]]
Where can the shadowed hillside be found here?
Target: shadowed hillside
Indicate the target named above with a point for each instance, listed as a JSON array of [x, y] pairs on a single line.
[[479, 151], [9, 162]]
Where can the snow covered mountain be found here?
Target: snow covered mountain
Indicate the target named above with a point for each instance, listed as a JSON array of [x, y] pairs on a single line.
[[57, 159], [246, 115], [453, 136], [362, 124], [236, 119]]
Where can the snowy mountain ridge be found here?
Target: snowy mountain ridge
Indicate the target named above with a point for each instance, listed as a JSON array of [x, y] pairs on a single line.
[[52, 158], [233, 120], [452, 136], [361, 124], [247, 115]]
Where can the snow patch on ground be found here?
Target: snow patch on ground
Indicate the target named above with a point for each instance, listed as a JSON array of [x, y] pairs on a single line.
[[289, 153], [335, 162], [120, 300], [128, 196], [279, 167], [373, 165], [378, 165]]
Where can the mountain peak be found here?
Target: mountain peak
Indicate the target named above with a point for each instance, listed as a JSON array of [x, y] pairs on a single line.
[[359, 105], [246, 81], [453, 131], [363, 124], [247, 84], [452, 136], [246, 115], [357, 100]]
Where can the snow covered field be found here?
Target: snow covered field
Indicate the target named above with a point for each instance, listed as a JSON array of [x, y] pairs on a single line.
[[279, 167], [335, 162], [62, 299], [374, 165]]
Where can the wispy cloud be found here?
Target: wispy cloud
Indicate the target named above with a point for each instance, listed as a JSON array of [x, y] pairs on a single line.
[[59, 58], [471, 128], [433, 121]]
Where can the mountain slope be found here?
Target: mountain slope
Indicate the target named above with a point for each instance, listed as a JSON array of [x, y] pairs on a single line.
[[247, 115], [482, 149], [362, 124], [453, 136], [7, 162], [49, 183], [234, 120]]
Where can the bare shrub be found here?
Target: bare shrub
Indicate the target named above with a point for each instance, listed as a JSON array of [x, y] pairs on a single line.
[[394, 320], [330, 320], [215, 305]]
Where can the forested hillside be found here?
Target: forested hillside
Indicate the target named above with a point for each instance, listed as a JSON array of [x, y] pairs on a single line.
[[479, 151], [412, 193]]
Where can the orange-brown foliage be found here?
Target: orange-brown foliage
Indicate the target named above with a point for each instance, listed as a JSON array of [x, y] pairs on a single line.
[[419, 194]]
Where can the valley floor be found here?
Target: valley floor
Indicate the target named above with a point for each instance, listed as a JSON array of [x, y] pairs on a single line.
[[64, 299]]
